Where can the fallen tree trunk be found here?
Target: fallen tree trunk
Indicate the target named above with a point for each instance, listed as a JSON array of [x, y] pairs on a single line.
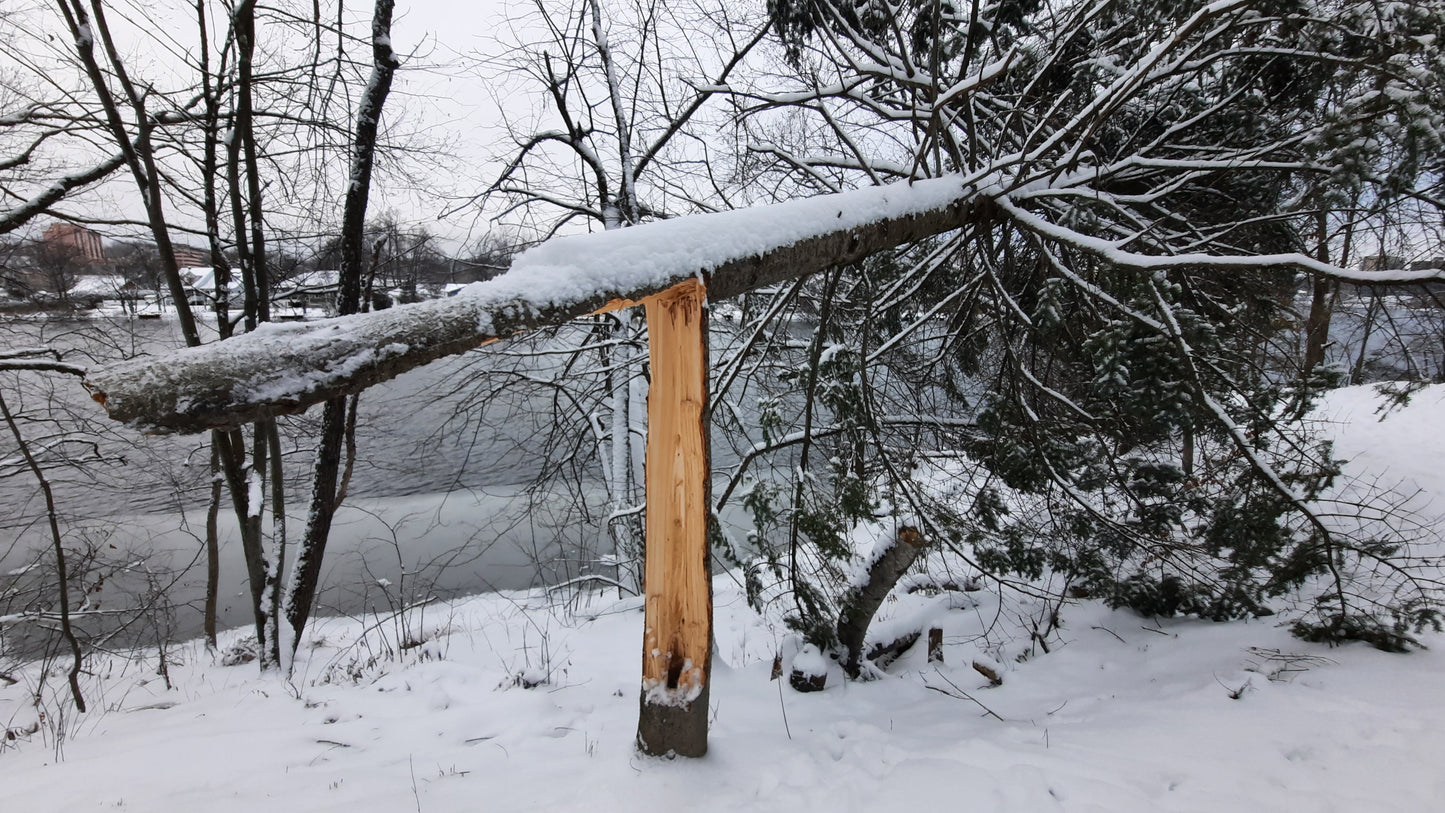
[[285, 368], [862, 602]]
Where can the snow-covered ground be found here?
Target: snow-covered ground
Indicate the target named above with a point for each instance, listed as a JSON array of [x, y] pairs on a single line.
[[1123, 714]]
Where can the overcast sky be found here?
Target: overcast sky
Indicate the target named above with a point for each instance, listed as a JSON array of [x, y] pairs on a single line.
[[437, 95], [448, 110], [445, 43]]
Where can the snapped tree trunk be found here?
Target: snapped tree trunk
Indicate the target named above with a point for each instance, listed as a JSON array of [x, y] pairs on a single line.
[[677, 641], [862, 601]]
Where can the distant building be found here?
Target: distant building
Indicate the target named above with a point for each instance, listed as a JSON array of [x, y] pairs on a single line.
[[189, 257], [86, 243], [1382, 262], [95, 289], [200, 285], [312, 289]]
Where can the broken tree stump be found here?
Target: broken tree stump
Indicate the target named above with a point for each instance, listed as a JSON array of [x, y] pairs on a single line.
[[810, 670], [677, 641], [862, 602]]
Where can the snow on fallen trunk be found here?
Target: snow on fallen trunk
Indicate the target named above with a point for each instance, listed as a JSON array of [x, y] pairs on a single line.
[[285, 368], [282, 369], [886, 565]]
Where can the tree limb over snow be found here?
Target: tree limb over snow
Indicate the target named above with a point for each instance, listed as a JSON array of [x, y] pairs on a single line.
[[285, 368]]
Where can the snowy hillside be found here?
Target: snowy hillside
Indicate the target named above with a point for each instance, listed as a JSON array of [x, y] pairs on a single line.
[[1122, 714]]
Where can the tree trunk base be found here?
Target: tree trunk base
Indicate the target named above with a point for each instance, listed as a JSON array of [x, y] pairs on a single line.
[[673, 731]]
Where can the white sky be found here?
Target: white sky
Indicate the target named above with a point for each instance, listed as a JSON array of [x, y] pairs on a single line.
[[443, 35], [436, 94], [448, 109]]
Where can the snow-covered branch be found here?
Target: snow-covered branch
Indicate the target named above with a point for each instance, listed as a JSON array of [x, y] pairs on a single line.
[[18, 216], [281, 369], [1111, 251]]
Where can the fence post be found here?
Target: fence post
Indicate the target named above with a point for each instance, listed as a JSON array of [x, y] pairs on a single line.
[[677, 641]]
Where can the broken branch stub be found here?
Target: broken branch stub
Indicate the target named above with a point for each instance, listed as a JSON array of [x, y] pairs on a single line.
[[861, 603]]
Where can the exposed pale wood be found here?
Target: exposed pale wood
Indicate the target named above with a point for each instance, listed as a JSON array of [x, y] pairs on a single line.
[[677, 642], [988, 671]]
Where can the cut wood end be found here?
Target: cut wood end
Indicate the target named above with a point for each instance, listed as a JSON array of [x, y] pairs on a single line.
[[912, 537], [691, 288]]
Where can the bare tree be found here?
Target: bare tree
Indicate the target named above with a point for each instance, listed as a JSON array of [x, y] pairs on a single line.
[[57, 264], [233, 145], [626, 92], [338, 422], [62, 578]]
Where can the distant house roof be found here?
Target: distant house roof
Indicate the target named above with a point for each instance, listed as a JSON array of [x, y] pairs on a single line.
[[202, 280], [319, 281], [104, 285], [198, 276]]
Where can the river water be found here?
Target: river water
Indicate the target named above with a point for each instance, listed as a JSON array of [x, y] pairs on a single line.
[[444, 498]]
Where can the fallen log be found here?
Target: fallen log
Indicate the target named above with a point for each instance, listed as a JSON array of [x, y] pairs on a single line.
[[285, 368]]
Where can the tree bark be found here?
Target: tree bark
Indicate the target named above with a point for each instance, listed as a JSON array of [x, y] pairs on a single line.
[[286, 370], [863, 601], [1317, 324], [325, 495], [213, 551]]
